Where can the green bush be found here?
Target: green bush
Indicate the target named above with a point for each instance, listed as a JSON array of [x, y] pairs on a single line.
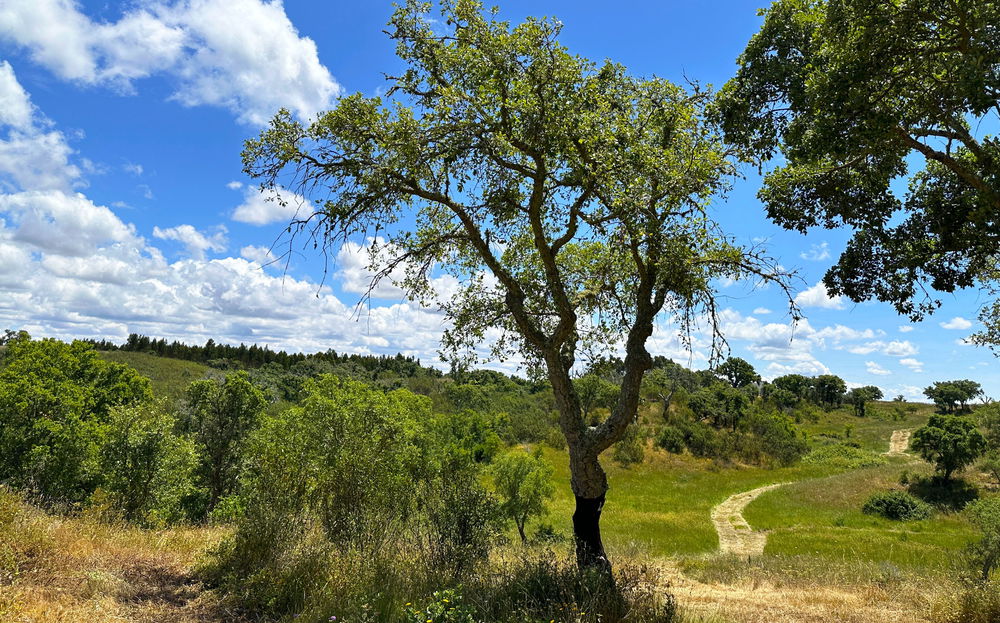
[[220, 416], [766, 438], [355, 481], [896, 505], [146, 469], [55, 401], [984, 554], [524, 483], [630, 449], [671, 439]]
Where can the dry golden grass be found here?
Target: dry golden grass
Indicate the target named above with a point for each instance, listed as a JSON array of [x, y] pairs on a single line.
[[81, 570], [755, 598]]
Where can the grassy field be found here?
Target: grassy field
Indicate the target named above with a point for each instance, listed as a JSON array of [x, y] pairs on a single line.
[[170, 377], [84, 570]]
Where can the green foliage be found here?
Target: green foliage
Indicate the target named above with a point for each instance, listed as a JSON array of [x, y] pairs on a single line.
[[354, 476], [984, 514], [671, 439], [631, 448], [444, 607], [949, 442], [738, 372], [952, 395], [849, 91], [474, 435], [463, 520], [896, 505], [861, 396], [595, 392], [147, 470], [524, 483], [770, 438], [55, 402], [829, 389], [720, 404], [220, 416]]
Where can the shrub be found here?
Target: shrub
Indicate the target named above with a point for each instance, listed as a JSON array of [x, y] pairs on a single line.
[[770, 437], [464, 522], [630, 449], [896, 505], [545, 588], [671, 439], [221, 416], [146, 469], [346, 494], [985, 553]]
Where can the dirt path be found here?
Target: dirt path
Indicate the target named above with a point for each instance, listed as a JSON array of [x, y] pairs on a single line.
[[735, 534], [899, 442]]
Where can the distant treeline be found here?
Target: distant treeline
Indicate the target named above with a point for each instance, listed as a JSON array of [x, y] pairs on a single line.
[[253, 356]]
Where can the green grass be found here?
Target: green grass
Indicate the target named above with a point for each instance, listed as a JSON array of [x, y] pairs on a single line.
[[169, 377], [823, 519], [662, 507], [871, 432]]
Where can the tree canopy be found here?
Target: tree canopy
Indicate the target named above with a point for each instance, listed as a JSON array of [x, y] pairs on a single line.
[[950, 442], [567, 199], [851, 93]]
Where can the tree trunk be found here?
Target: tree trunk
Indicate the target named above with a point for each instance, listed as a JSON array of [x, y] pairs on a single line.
[[590, 484], [587, 533]]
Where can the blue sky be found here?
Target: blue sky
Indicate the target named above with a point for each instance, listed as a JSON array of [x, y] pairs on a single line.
[[123, 207]]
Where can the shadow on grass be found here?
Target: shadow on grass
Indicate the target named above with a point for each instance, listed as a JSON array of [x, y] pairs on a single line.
[[949, 495]]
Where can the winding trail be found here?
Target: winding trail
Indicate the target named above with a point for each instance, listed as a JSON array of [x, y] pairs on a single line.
[[899, 442], [735, 534]]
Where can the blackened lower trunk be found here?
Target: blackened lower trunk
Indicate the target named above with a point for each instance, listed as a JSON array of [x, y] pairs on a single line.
[[587, 533]]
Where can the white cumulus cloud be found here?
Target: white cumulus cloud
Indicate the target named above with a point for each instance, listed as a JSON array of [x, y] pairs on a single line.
[[874, 368], [196, 242], [242, 55], [265, 208], [817, 296], [956, 323]]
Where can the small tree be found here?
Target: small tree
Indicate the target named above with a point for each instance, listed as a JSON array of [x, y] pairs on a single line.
[[861, 396], [950, 442], [984, 513], [221, 415], [738, 372], [524, 483], [830, 390], [950, 396]]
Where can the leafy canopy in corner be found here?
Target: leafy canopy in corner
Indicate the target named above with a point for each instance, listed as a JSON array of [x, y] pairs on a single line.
[[848, 92]]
